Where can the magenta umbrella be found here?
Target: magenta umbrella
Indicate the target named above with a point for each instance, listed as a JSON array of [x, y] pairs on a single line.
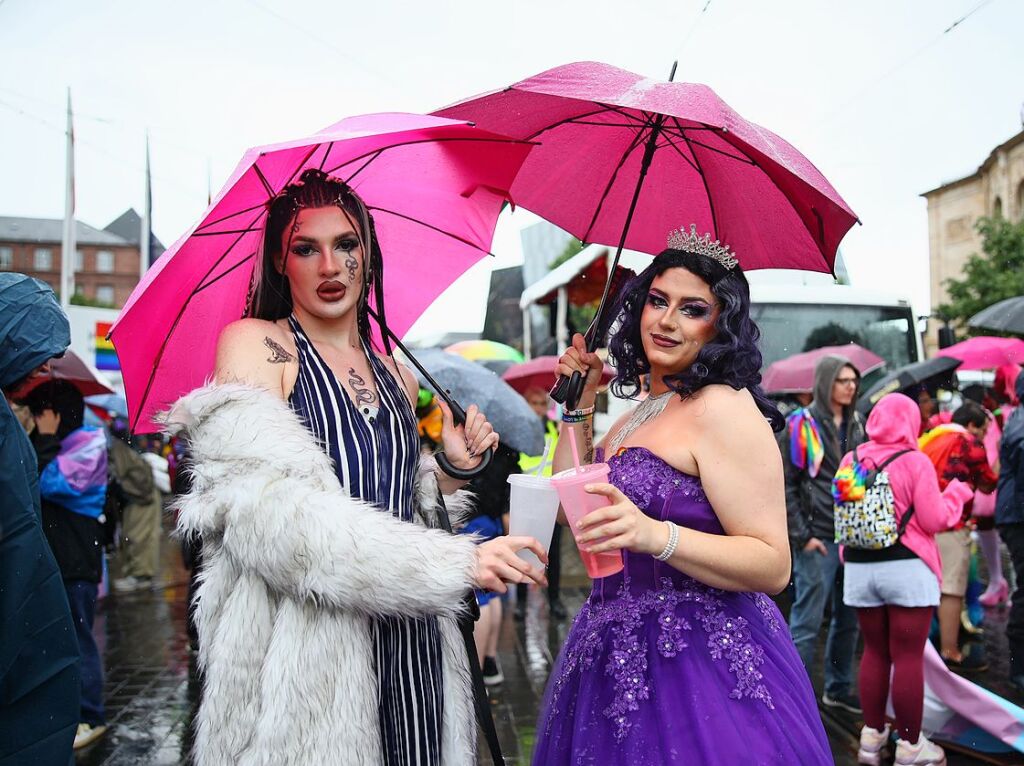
[[985, 352], [434, 186], [795, 374], [607, 135], [539, 372]]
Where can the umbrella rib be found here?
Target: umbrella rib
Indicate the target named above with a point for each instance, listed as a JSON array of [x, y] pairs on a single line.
[[743, 159], [452, 140], [330, 146], [224, 274], [430, 226], [263, 180], [637, 140], [604, 108], [362, 167], [227, 217], [225, 231], [703, 180], [679, 151], [173, 327]]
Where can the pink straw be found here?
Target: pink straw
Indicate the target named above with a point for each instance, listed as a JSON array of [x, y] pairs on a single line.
[[575, 449]]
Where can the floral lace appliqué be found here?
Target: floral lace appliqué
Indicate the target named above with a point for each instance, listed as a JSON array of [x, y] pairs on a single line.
[[728, 640], [642, 475]]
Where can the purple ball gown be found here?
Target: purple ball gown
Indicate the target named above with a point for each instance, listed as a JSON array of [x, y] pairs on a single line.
[[660, 668]]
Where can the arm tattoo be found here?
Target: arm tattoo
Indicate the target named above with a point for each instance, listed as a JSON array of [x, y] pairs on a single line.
[[277, 353], [588, 442], [363, 394]]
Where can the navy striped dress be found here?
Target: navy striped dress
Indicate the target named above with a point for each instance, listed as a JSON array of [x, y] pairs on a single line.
[[376, 452]]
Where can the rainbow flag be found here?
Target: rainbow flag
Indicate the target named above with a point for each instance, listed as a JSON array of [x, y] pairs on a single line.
[[106, 357]]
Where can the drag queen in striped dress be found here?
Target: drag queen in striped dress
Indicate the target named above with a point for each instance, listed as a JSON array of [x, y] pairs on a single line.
[[326, 612]]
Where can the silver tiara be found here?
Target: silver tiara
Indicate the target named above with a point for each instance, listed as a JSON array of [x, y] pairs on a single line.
[[694, 243]]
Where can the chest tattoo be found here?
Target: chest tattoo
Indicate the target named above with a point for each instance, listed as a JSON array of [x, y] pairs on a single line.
[[363, 394]]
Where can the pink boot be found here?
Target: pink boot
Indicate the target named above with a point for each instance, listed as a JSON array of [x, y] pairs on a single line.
[[993, 597]]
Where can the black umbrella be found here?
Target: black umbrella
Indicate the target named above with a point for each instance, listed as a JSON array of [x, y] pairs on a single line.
[[1005, 316], [932, 371], [457, 377]]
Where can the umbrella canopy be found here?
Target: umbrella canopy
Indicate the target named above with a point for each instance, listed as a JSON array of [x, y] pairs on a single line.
[[76, 371], [932, 371], [732, 178], [434, 186], [470, 383], [539, 372], [484, 350], [1005, 316], [985, 352], [795, 374], [624, 160]]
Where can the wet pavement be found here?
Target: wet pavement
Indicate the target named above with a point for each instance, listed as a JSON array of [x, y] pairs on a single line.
[[152, 691]]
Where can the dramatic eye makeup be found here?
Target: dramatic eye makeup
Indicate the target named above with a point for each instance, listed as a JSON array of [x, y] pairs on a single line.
[[692, 308]]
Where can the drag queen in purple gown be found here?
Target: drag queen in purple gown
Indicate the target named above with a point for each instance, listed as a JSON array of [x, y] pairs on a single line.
[[681, 657]]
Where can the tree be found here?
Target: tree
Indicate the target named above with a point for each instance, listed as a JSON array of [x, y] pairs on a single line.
[[989, 278], [831, 334], [78, 299]]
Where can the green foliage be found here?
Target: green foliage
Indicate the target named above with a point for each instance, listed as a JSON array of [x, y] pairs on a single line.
[[989, 278], [573, 247], [80, 300]]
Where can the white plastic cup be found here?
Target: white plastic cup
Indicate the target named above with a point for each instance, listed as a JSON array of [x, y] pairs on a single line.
[[533, 510]]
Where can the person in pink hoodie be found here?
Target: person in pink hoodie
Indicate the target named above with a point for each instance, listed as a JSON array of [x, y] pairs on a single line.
[[895, 590]]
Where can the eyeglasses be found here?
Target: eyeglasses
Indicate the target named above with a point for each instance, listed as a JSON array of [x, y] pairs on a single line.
[[846, 381]]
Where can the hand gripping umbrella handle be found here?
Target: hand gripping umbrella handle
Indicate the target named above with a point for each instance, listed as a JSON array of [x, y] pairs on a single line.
[[459, 416]]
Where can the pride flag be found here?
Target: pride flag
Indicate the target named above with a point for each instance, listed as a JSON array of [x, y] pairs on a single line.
[[106, 357]]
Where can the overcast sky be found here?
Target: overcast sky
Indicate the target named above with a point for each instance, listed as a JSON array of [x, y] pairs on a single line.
[[874, 92]]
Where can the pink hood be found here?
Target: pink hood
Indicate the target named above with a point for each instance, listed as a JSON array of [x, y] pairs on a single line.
[[893, 426]]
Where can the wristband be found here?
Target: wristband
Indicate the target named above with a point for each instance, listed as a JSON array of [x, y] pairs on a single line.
[[577, 416]]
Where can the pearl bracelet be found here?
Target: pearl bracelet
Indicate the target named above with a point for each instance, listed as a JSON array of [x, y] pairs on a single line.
[[670, 546]]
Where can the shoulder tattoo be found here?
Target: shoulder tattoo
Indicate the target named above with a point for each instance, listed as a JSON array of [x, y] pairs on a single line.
[[277, 353]]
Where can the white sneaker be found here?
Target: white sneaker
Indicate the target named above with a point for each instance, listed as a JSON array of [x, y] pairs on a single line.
[[922, 753], [872, 742], [86, 734]]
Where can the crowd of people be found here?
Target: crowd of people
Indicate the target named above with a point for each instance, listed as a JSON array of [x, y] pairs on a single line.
[[934, 482], [330, 619]]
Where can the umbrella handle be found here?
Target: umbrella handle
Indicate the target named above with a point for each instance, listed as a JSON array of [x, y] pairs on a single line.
[[464, 474]]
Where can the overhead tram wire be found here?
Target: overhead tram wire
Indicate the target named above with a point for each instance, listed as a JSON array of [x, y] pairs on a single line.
[[892, 70]]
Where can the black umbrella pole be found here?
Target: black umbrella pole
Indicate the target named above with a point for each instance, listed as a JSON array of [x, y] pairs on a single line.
[[567, 391], [458, 414]]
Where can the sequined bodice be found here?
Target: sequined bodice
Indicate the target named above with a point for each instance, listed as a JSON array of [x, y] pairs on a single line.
[[650, 605]]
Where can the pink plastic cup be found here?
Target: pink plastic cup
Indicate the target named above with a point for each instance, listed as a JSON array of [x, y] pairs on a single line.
[[577, 504]]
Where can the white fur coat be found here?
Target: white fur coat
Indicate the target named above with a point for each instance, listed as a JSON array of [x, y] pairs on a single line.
[[294, 569]]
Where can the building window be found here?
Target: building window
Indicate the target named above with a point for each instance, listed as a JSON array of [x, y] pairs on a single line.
[[79, 260], [104, 261], [6, 258], [1020, 202], [42, 259], [997, 208], [105, 293]]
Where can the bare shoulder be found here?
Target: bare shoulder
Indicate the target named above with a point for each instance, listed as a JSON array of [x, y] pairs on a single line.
[[255, 351], [721, 408]]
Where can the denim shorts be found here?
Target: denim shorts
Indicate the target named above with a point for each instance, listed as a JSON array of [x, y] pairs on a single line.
[[904, 582]]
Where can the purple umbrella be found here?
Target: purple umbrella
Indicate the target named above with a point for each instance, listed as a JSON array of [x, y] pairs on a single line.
[[795, 374], [607, 135]]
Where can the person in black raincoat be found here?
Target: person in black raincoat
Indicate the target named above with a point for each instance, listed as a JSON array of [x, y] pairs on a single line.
[[39, 661]]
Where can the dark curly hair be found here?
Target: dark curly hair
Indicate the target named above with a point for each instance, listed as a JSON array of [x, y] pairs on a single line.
[[270, 296], [731, 357]]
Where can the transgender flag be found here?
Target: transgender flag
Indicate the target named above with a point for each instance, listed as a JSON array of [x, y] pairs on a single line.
[[106, 357]]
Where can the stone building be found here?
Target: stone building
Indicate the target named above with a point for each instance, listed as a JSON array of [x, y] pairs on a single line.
[[996, 188], [106, 262]]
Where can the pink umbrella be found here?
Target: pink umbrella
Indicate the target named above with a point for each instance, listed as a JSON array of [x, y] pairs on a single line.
[[795, 374], [985, 352], [540, 373], [435, 187], [76, 371], [607, 135]]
